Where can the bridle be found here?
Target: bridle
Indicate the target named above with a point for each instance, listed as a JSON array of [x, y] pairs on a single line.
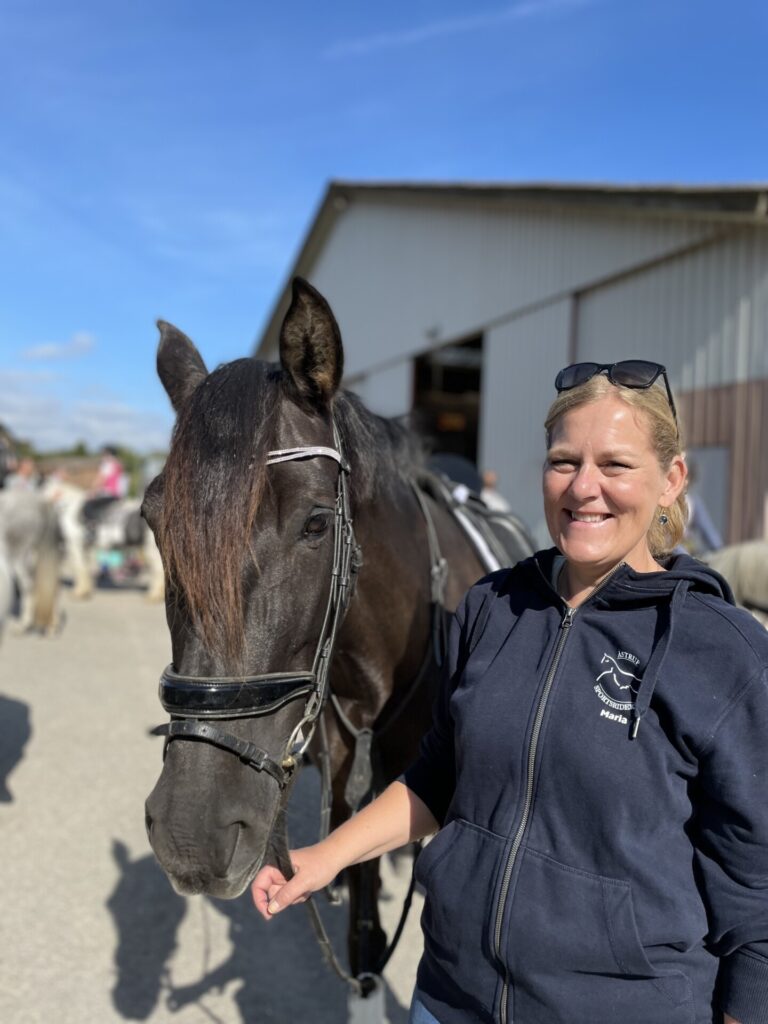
[[194, 702]]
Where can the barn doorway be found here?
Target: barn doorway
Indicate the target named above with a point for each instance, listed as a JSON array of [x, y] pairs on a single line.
[[446, 397]]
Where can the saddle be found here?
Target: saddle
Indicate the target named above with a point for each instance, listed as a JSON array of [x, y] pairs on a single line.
[[499, 539]]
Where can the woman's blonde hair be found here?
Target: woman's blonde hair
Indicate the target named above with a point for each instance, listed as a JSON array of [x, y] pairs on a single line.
[[666, 440]]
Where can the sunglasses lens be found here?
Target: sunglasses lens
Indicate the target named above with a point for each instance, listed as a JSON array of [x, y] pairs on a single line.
[[574, 375], [635, 373]]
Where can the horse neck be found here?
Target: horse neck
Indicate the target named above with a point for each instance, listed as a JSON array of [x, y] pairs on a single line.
[[386, 630]]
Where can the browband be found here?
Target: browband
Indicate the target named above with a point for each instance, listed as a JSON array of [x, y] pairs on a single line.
[[306, 452], [226, 697]]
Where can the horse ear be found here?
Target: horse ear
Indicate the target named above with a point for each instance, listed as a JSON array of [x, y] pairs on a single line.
[[310, 345], [179, 365]]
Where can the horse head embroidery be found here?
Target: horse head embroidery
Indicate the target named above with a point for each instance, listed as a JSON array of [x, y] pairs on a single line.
[[622, 679]]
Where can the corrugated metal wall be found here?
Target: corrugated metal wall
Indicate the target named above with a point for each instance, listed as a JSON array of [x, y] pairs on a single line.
[[546, 287], [705, 316], [521, 359], [387, 391], [404, 277]]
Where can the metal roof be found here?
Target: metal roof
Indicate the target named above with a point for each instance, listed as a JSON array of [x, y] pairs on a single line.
[[745, 203]]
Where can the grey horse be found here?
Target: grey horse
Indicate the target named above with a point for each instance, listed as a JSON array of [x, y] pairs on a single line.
[[29, 555]]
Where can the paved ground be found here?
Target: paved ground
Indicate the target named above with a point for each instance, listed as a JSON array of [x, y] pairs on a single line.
[[90, 930]]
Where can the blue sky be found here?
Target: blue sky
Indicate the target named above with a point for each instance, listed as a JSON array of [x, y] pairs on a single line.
[[164, 159]]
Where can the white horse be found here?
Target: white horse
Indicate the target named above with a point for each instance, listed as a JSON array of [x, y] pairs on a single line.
[[109, 530], [68, 501], [745, 566], [29, 555]]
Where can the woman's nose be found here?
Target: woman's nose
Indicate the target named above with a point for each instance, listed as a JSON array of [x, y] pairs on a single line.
[[585, 484]]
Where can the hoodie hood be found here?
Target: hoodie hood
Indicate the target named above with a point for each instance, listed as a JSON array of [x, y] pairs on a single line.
[[626, 586]]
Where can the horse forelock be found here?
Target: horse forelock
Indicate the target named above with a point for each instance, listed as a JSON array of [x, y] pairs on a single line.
[[213, 483]]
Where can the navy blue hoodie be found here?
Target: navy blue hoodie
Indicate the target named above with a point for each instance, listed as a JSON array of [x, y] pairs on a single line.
[[600, 777]]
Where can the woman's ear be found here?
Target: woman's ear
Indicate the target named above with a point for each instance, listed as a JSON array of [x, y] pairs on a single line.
[[675, 480]]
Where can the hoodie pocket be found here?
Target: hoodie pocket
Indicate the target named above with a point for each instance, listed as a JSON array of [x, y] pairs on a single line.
[[575, 955], [458, 870]]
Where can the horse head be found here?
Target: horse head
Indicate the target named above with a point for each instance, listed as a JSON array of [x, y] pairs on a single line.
[[248, 549]]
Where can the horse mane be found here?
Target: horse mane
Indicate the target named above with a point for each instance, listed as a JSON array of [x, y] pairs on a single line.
[[380, 451], [216, 474]]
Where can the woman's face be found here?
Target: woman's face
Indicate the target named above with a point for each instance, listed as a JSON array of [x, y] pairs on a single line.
[[603, 484]]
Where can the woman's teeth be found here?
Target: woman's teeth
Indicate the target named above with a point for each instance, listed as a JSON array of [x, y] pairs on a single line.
[[588, 517]]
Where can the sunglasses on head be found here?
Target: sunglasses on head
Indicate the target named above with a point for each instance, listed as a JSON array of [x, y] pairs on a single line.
[[629, 373]]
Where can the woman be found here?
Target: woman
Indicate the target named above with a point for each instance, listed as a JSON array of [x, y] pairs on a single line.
[[598, 762]]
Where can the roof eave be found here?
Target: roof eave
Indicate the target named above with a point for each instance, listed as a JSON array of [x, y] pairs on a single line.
[[732, 203]]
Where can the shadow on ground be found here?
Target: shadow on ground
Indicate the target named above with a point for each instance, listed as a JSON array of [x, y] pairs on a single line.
[[15, 731], [277, 969]]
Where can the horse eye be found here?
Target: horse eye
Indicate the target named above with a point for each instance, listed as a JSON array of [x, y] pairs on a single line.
[[317, 524]]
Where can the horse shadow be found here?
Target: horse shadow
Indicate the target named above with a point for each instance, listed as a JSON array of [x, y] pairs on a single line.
[[276, 970], [147, 914], [15, 731]]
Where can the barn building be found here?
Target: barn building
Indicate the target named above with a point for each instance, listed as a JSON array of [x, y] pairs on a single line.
[[459, 303]]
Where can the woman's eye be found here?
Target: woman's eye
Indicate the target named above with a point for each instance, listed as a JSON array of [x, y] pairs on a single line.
[[561, 463], [317, 524]]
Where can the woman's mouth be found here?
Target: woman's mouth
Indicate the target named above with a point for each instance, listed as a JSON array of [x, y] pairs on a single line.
[[591, 518]]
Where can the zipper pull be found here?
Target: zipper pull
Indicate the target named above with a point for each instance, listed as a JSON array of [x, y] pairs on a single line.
[[568, 618]]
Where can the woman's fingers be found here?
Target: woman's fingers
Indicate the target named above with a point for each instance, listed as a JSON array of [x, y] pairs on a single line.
[[294, 891], [272, 893], [265, 886]]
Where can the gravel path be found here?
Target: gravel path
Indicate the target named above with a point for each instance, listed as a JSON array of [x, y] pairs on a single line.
[[90, 931]]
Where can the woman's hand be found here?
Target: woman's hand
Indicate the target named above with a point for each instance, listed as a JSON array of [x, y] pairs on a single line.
[[395, 818], [314, 869]]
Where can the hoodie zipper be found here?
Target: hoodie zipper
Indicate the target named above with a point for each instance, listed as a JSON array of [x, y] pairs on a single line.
[[565, 626]]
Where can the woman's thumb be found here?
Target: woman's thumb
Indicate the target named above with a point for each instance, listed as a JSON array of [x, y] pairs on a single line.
[[292, 891]]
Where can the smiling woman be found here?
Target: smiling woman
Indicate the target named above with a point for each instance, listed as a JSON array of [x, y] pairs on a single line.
[[613, 481], [584, 869]]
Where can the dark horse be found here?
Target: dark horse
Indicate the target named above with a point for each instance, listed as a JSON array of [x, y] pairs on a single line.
[[250, 545]]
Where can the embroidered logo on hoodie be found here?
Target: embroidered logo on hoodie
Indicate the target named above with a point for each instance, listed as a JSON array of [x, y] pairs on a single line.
[[616, 684]]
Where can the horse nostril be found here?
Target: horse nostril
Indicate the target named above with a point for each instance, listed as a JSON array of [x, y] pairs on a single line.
[[148, 822]]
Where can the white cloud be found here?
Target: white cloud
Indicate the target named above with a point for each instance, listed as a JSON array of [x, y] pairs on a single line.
[[214, 239], [13, 378], [447, 27], [49, 423], [80, 343], [117, 423]]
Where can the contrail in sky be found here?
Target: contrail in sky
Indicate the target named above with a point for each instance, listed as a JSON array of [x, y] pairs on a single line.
[[449, 27]]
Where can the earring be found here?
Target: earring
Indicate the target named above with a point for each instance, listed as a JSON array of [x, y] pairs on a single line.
[[663, 519]]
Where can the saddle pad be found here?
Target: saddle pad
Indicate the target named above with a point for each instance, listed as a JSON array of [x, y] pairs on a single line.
[[499, 539]]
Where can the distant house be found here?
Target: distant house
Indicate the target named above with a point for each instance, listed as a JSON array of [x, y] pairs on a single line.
[[458, 304], [81, 470]]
